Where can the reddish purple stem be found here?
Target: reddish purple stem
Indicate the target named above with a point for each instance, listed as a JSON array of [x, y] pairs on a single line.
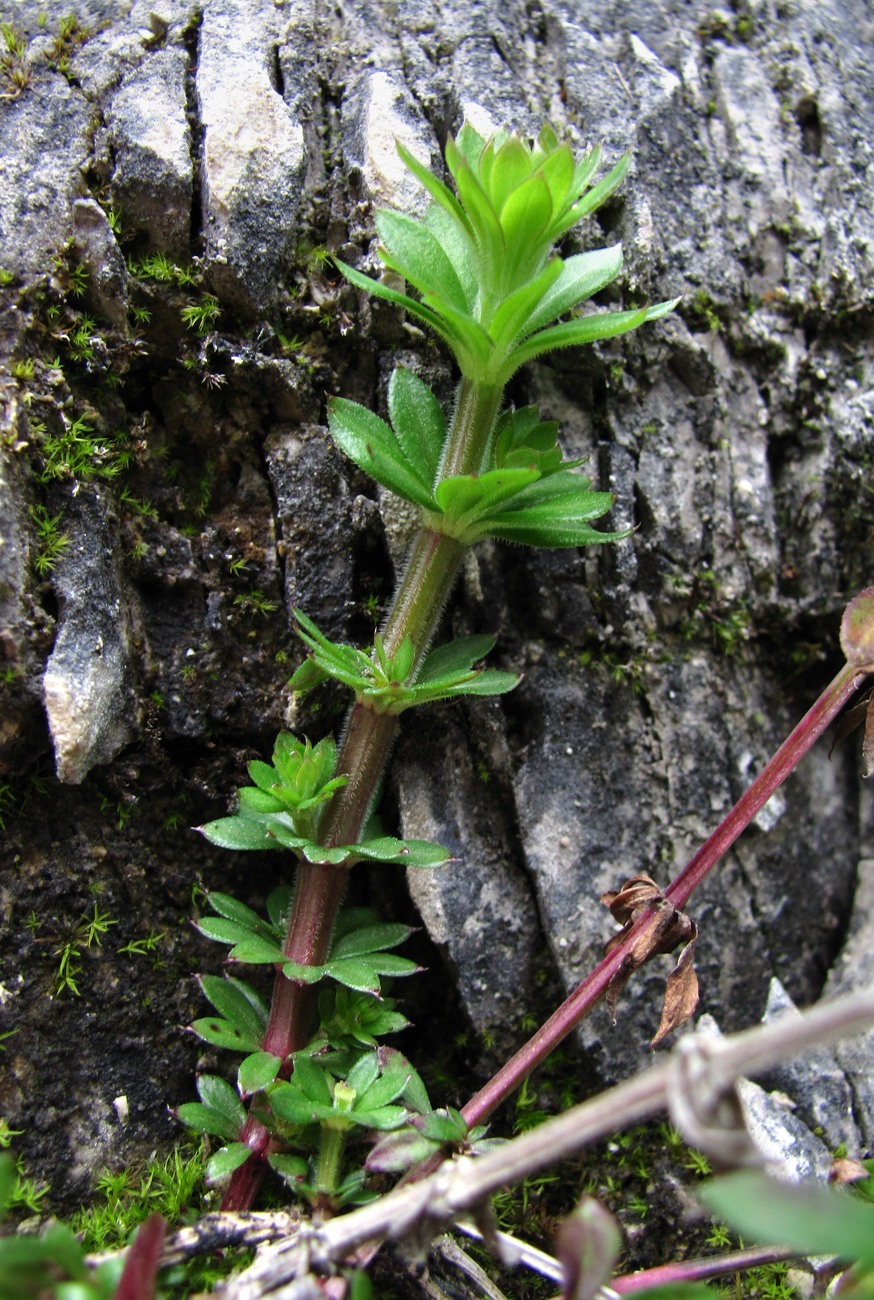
[[594, 986]]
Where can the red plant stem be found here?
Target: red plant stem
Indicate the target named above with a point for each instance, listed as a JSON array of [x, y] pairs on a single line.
[[594, 986], [700, 1270]]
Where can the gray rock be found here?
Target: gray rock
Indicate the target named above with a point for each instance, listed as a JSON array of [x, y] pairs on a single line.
[[854, 969], [790, 1149], [253, 156], [816, 1084], [96, 249], [89, 697], [150, 140]]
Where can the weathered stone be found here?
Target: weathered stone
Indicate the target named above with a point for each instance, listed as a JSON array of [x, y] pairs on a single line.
[[854, 969], [89, 697], [153, 177], [253, 156], [816, 1084], [96, 249]]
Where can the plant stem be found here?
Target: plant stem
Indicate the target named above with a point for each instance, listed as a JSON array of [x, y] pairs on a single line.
[[418, 602], [422, 1209], [700, 1270], [594, 986]]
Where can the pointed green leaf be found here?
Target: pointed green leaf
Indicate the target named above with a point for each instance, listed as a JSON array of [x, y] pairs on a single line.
[[311, 1079], [237, 833], [455, 657], [599, 193], [511, 318], [371, 444], [418, 422], [205, 1119], [237, 1002], [289, 1104], [355, 973], [220, 1097], [228, 906], [388, 963], [525, 220], [379, 290], [414, 252], [225, 1161], [256, 951], [307, 677], [254, 800], [374, 938], [382, 1118], [812, 1219], [439, 192], [256, 1072], [581, 276], [222, 930], [364, 1073], [221, 1033]]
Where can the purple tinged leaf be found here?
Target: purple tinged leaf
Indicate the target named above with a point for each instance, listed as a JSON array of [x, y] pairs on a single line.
[[138, 1278], [588, 1244]]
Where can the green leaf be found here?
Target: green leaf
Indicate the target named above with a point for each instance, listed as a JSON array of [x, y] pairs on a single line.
[[418, 422], [439, 192], [355, 973], [586, 329], [221, 1033], [555, 511], [805, 1217], [599, 193], [247, 946], [414, 252], [257, 1071], [388, 963], [225, 1161], [230, 907], [381, 1118], [456, 656], [291, 1168], [581, 276], [371, 444], [219, 1111], [220, 1096], [514, 313], [238, 1003], [409, 853], [374, 938], [311, 1079], [238, 833]]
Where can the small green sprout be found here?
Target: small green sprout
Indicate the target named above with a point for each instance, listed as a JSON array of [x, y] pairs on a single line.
[[142, 947], [52, 542], [201, 317], [256, 602]]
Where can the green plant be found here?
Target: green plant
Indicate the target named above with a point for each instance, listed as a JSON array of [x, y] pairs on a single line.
[[201, 317], [490, 284], [88, 933], [51, 541]]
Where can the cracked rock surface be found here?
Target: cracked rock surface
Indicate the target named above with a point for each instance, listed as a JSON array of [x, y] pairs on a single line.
[[172, 178]]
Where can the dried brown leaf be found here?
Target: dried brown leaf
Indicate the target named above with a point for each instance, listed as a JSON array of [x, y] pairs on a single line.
[[681, 993], [666, 928]]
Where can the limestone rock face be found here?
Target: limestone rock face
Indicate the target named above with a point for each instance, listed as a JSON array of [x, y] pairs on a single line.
[[173, 178]]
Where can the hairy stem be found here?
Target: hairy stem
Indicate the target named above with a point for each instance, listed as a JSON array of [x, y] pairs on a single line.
[[418, 602]]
